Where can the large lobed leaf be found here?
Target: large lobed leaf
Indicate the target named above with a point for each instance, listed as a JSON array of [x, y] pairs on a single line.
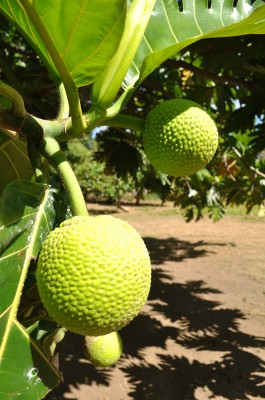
[[85, 33], [28, 212], [171, 29]]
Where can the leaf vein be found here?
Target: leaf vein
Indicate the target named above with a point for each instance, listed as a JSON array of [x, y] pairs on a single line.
[[169, 24], [6, 311], [73, 30], [195, 18], [15, 302], [16, 220], [12, 254], [11, 162], [77, 66]]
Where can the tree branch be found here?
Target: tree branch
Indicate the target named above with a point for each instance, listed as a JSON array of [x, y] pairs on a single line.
[[210, 75], [255, 170]]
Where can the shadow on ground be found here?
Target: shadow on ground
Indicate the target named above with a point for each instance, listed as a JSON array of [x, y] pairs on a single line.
[[182, 315], [173, 249]]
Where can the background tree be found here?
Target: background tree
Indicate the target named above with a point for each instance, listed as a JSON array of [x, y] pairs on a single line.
[[225, 75]]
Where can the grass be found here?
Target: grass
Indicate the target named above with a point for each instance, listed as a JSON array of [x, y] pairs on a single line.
[[255, 215], [230, 210], [241, 210]]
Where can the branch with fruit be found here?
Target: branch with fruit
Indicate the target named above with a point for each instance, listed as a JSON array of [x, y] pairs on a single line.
[[90, 275]]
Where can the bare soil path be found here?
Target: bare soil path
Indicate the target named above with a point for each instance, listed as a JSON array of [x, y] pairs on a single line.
[[201, 334]]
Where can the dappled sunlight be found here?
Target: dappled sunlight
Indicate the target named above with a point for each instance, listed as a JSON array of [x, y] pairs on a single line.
[[179, 344], [197, 337]]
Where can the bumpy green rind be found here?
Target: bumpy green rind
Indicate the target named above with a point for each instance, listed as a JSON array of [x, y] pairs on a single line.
[[180, 138], [93, 274], [105, 350]]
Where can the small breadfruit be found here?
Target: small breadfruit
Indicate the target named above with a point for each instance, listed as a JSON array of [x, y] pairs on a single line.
[[180, 138], [104, 350], [93, 274]]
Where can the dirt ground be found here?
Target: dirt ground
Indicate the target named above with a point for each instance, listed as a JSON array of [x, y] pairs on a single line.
[[201, 334]]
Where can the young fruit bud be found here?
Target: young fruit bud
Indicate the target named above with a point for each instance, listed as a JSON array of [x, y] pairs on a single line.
[[104, 350]]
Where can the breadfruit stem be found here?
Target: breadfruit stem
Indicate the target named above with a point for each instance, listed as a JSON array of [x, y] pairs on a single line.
[[69, 84], [15, 98], [126, 121], [35, 160], [64, 109], [51, 150], [120, 103]]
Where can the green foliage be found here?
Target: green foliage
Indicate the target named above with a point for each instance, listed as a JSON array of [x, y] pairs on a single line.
[[123, 156], [95, 183], [83, 45], [29, 211], [181, 26], [13, 160], [198, 194], [38, 24], [22, 69], [209, 73]]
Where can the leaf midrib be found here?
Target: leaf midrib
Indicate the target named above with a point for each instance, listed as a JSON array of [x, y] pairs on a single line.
[[14, 306]]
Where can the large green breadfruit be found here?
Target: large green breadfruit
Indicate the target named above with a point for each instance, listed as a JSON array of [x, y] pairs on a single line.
[[180, 138], [93, 274]]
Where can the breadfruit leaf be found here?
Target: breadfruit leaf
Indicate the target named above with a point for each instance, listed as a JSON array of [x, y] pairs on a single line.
[[13, 160], [85, 33], [28, 213], [176, 24]]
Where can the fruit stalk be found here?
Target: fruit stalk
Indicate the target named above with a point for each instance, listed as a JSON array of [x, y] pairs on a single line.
[[64, 109], [126, 121], [51, 150], [35, 160], [69, 84], [16, 99]]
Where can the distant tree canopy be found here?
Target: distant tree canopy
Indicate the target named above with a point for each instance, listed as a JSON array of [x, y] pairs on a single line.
[[226, 76]]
